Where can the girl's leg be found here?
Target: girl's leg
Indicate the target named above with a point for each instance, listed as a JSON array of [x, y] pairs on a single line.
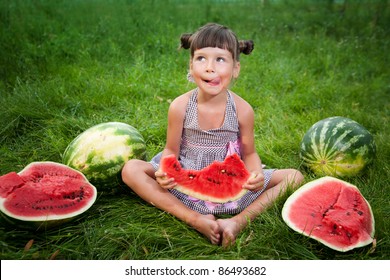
[[280, 180], [139, 176]]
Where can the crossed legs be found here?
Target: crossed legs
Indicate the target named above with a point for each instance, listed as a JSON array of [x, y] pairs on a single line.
[[139, 176]]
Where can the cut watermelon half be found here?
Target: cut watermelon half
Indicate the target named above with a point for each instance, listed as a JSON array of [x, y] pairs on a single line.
[[45, 194], [219, 182], [332, 211]]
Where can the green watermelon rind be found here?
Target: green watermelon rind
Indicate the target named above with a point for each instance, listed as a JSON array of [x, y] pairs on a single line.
[[36, 225], [46, 221], [205, 197], [337, 146], [89, 152], [309, 186]]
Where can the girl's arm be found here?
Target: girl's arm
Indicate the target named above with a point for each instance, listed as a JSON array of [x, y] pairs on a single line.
[[175, 127], [248, 150], [176, 114]]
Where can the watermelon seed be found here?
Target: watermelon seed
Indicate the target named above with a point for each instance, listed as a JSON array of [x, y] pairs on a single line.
[[177, 168], [213, 181], [359, 212]]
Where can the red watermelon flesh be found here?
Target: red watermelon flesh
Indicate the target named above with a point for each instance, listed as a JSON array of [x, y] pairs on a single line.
[[331, 211], [9, 182], [45, 191], [219, 182]]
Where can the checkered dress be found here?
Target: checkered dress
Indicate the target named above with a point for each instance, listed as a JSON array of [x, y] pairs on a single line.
[[199, 148]]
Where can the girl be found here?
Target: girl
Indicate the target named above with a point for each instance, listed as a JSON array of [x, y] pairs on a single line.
[[204, 125]]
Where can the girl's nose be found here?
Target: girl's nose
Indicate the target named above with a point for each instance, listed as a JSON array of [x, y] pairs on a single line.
[[210, 67]]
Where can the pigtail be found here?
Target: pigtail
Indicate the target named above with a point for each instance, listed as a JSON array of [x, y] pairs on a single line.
[[185, 41], [246, 46]]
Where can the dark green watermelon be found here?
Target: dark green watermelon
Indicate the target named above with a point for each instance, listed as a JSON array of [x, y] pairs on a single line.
[[337, 146]]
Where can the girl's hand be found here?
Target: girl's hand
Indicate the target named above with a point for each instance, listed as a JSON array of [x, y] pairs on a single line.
[[164, 181], [255, 181]]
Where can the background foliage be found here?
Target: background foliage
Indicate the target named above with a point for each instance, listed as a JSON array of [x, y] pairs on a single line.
[[68, 65]]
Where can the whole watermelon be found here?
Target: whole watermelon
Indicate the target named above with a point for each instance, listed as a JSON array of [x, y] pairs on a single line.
[[337, 146], [101, 151]]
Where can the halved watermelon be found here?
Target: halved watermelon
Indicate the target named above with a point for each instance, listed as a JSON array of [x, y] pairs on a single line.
[[332, 211], [45, 194], [219, 182]]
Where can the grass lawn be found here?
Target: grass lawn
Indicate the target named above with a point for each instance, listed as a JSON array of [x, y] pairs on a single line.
[[67, 65]]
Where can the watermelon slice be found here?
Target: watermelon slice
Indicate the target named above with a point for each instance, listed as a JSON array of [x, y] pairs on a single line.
[[219, 182], [332, 211], [45, 194]]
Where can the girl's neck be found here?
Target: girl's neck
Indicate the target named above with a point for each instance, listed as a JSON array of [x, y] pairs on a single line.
[[212, 100], [211, 110]]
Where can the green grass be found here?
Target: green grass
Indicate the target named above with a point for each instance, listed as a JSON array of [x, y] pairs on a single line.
[[68, 65]]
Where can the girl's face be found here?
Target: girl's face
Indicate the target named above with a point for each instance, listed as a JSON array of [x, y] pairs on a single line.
[[213, 69]]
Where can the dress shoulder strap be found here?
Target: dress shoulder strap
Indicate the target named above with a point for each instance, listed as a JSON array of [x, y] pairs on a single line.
[[190, 118]]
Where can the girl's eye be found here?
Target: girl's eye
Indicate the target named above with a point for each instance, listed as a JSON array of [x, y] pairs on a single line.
[[220, 59], [200, 58]]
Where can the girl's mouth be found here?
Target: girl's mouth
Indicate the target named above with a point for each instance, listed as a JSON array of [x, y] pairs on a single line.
[[213, 82]]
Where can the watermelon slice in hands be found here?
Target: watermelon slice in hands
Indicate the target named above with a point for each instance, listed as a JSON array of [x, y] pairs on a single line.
[[219, 182]]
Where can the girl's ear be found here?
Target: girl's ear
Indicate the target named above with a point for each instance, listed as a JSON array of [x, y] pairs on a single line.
[[190, 66], [190, 78], [236, 70]]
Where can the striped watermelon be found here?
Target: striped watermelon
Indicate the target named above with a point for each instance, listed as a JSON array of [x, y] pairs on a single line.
[[337, 146], [101, 151]]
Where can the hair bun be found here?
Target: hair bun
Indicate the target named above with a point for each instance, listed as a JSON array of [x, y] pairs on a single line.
[[246, 46], [185, 40]]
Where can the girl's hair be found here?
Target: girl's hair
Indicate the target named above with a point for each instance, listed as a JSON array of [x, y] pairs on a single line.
[[216, 36]]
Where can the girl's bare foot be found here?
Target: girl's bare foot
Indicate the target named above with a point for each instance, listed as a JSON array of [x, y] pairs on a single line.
[[208, 226], [229, 228]]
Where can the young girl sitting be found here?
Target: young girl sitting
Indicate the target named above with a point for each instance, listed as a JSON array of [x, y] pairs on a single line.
[[204, 125]]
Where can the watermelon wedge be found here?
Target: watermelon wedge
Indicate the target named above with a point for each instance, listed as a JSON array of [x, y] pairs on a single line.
[[219, 182], [44, 194], [332, 211]]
